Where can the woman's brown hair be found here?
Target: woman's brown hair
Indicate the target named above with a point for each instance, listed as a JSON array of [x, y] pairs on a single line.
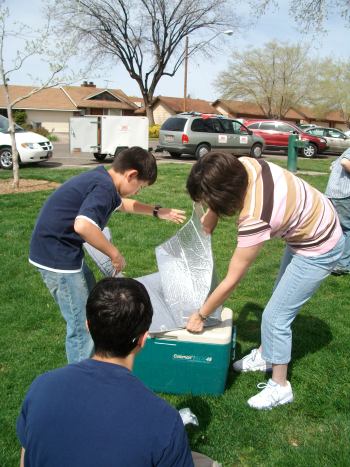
[[219, 180]]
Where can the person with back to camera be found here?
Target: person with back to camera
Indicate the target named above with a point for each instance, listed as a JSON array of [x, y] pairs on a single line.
[[338, 191], [77, 212], [270, 202], [96, 413]]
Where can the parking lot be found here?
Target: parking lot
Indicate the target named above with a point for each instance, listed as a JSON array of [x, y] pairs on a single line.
[[62, 158]]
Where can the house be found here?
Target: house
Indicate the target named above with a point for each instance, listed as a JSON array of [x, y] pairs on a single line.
[[248, 110], [164, 107], [52, 107]]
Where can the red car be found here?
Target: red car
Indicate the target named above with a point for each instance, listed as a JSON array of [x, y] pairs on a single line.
[[276, 134]]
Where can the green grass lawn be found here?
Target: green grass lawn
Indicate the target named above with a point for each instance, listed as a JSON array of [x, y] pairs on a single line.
[[313, 431]]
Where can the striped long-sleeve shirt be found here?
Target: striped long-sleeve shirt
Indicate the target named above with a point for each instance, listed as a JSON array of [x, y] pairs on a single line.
[[279, 204]]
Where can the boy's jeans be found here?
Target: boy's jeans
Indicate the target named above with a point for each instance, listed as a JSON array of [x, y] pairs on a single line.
[[70, 291], [298, 279]]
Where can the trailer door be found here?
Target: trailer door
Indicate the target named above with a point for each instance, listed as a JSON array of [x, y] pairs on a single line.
[[83, 134], [123, 132]]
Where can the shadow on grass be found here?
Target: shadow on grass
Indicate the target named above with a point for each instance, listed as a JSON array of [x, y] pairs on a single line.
[[200, 407], [310, 334]]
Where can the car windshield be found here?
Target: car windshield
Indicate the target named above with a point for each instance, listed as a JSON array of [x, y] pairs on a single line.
[[4, 125]]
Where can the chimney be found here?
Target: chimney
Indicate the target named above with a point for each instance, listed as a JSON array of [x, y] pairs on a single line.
[[91, 84], [85, 84]]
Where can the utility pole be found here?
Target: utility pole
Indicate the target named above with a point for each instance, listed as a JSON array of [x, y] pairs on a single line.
[[185, 79]]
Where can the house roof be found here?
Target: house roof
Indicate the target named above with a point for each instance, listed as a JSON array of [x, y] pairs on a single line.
[[249, 109], [176, 104], [67, 98]]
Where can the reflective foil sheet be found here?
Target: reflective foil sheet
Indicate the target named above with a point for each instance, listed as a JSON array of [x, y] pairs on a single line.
[[186, 275]]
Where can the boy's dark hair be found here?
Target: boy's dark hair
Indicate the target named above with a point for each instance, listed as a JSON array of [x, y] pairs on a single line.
[[139, 159], [219, 180], [118, 312]]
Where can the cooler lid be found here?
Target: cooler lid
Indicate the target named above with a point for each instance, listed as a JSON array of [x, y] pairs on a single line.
[[219, 334]]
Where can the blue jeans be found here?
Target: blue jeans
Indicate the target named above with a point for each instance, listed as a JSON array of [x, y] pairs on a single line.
[[298, 279], [70, 291], [342, 206]]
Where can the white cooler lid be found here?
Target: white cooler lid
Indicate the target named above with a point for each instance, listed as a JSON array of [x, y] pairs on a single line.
[[220, 334]]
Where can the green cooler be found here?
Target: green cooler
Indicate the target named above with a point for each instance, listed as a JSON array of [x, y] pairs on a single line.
[[180, 362]]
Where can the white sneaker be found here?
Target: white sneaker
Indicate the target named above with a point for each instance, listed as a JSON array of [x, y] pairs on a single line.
[[252, 362], [272, 394]]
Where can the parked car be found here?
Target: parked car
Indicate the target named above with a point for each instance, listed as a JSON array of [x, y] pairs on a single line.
[[276, 134], [337, 141], [31, 147], [196, 134]]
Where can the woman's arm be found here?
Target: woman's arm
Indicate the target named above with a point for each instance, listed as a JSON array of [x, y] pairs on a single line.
[[241, 259], [133, 206]]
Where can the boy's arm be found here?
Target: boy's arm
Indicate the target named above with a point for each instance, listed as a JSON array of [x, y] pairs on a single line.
[[22, 458], [93, 235], [133, 206]]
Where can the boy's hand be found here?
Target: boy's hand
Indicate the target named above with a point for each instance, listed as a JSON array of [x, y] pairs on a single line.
[[118, 261], [173, 215]]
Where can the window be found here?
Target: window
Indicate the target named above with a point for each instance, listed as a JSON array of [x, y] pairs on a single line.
[[267, 126], [333, 133], [254, 125], [174, 124], [203, 125], [228, 126], [316, 131], [285, 128]]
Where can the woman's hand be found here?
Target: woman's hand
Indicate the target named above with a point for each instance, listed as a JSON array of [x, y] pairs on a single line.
[[195, 323], [173, 215], [209, 221]]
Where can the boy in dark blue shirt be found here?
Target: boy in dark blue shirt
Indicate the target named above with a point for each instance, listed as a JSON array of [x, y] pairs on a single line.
[[77, 212], [96, 412]]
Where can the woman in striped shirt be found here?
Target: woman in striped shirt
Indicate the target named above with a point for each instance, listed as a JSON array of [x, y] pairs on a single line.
[[271, 203]]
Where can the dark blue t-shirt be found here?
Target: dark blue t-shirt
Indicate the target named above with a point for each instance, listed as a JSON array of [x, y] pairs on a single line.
[[55, 245], [97, 414]]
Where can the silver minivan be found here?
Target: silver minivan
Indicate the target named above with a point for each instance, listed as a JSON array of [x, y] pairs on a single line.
[[196, 134]]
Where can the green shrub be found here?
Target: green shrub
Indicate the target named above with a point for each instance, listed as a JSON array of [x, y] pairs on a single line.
[[41, 131], [154, 131], [19, 116]]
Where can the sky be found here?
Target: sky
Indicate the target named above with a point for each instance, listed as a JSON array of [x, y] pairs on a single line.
[[275, 25]]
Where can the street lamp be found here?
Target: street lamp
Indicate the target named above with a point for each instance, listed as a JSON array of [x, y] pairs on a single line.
[[229, 32]]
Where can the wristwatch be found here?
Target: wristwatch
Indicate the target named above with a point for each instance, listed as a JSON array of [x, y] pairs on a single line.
[[156, 210], [202, 317]]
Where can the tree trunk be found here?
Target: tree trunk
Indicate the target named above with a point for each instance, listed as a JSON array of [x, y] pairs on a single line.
[[15, 168], [149, 109]]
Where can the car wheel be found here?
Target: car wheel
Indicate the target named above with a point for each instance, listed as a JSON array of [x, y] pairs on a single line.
[[99, 157], [256, 151], [174, 155], [310, 150], [6, 161], [201, 150]]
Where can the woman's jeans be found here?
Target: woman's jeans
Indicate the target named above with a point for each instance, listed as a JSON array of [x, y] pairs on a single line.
[[70, 291], [298, 279]]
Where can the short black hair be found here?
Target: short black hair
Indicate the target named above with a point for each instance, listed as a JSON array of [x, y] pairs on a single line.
[[136, 158], [220, 180], [118, 312]]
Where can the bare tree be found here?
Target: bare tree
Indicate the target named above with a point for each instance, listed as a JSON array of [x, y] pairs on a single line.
[[34, 43], [331, 88], [146, 36], [275, 77], [312, 14]]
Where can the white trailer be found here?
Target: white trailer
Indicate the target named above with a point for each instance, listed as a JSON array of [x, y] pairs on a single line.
[[107, 135]]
